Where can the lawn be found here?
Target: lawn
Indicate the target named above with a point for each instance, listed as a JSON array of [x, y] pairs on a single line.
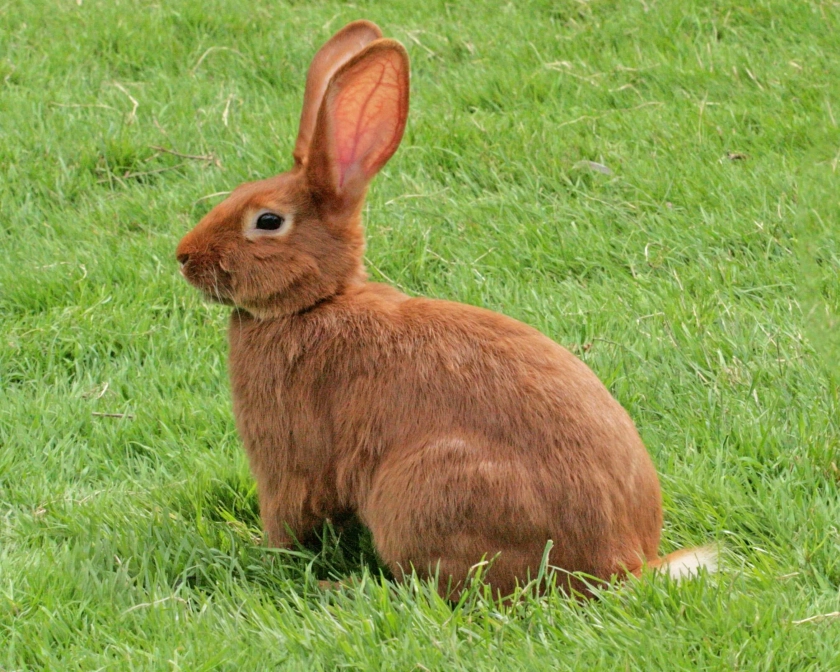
[[652, 183]]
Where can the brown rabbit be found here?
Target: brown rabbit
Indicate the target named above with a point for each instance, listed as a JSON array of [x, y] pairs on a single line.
[[454, 433]]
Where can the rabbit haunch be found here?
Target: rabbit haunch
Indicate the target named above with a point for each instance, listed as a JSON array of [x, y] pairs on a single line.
[[454, 433]]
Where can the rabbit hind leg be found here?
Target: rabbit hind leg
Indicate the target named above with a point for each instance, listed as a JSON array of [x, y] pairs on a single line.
[[448, 506]]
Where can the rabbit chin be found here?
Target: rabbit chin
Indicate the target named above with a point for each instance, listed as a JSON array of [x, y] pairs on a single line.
[[217, 298], [211, 291], [291, 296]]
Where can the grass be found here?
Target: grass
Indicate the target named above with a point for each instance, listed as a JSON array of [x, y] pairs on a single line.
[[700, 279]]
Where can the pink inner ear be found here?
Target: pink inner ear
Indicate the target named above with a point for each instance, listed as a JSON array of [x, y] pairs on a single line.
[[368, 116]]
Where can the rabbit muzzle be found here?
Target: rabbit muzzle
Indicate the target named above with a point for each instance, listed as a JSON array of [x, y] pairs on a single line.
[[206, 271]]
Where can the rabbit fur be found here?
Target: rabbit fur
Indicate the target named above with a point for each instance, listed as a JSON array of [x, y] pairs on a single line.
[[455, 434]]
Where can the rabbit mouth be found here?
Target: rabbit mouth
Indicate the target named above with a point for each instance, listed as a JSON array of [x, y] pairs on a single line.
[[213, 286]]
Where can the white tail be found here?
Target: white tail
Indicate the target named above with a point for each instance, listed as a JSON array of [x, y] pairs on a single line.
[[687, 562]]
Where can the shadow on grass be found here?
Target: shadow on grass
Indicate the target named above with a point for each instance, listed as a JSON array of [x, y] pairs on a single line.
[[224, 514]]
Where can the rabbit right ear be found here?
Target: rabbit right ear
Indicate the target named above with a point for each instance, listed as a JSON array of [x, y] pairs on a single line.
[[360, 123], [339, 49]]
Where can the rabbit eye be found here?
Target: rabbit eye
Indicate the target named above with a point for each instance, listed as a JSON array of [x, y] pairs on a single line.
[[268, 221], [266, 224]]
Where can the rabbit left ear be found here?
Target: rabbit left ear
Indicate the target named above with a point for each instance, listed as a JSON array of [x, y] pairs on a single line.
[[360, 122]]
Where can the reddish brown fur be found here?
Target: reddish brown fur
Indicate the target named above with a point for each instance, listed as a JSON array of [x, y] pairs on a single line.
[[452, 432]]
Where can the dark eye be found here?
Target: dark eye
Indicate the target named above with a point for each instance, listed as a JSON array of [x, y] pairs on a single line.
[[268, 221]]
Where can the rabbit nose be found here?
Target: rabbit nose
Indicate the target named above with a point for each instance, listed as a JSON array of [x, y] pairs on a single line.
[[183, 258]]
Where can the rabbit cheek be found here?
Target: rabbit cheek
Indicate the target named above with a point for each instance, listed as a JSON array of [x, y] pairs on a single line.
[[255, 279]]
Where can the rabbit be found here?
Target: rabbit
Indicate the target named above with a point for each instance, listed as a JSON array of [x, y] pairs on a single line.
[[455, 434]]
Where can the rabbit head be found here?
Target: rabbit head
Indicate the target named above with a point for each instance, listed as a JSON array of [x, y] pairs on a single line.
[[281, 245]]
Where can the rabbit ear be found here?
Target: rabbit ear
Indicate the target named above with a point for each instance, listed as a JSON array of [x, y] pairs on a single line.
[[342, 46], [360, 123]]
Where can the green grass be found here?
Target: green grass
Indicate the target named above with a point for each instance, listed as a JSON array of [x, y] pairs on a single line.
[[704, 290]]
